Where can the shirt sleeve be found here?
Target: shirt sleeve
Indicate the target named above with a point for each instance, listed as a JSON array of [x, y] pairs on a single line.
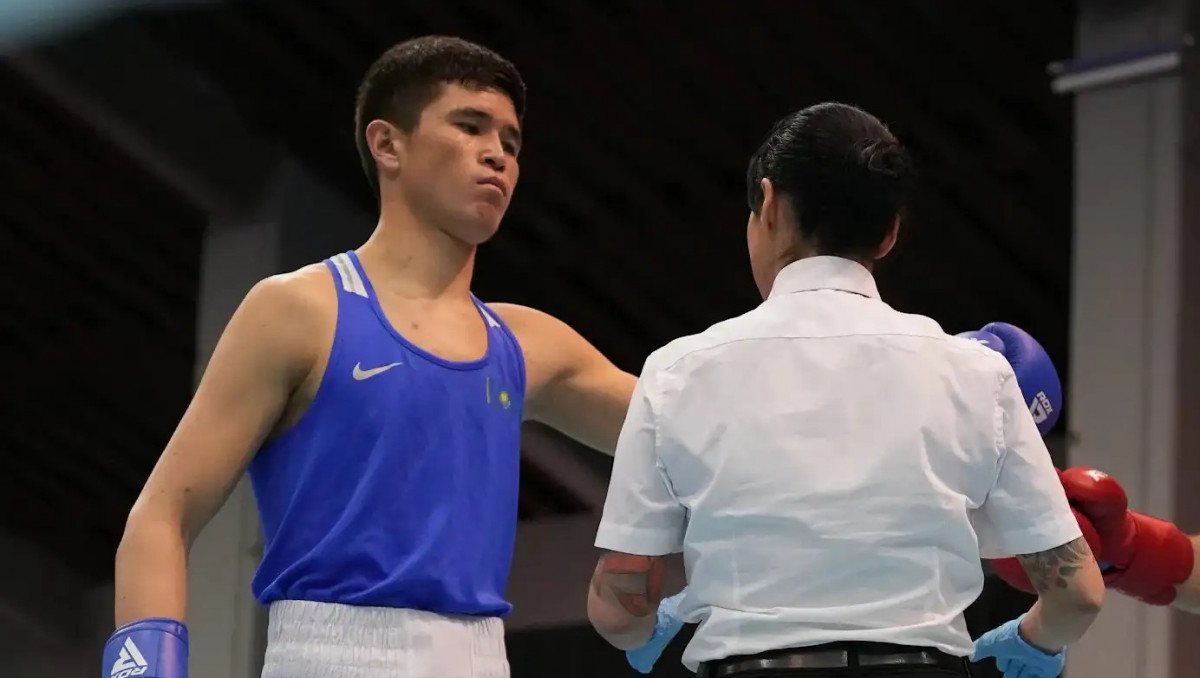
[[1026, 510], [641, 514]]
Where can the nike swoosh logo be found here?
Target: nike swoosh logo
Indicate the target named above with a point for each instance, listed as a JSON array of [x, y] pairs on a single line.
[[360, 373]]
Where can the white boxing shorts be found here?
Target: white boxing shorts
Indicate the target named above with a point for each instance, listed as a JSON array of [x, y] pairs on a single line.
[[327, 640]]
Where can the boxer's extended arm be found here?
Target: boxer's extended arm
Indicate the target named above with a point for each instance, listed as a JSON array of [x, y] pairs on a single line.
[[570, 385], [1070, 594], [1187, 594], [264, 352]]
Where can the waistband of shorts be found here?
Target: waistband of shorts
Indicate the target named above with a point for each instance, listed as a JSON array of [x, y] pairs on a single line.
[[308, 639], [360, 624]]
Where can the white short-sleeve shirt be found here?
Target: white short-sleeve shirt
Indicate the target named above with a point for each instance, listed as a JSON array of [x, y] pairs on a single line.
[[832, 469]]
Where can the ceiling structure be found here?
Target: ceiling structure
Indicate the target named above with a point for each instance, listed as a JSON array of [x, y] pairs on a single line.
[[628, 223]]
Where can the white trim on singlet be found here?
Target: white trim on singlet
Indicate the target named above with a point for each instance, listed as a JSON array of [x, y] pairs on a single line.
[[487, 315], [351, 280]]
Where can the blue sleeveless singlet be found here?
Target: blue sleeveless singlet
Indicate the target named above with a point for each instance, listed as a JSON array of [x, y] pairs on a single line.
[[398, 486]]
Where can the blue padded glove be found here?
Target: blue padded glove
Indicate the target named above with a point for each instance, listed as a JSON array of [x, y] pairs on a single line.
[[148, 648], [666, 626], [1039, 382], [1014, 657]]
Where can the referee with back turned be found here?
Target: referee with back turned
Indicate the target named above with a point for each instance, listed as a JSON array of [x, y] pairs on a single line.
[[831, 469]]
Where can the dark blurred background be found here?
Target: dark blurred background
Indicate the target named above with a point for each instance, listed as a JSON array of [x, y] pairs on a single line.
[[132, 136]]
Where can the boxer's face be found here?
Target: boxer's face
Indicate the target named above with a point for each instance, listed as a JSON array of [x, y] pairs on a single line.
[[458, 168]]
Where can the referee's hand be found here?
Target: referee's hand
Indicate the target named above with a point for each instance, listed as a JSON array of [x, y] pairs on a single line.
[[1014, 656], [666, 626]]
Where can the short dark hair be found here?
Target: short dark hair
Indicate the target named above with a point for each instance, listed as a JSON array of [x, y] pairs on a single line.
[[410, 75], [844, 173]]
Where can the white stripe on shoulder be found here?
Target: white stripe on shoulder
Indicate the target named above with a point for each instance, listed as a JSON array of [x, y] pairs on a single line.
[[487, 315], [351, 282], [340, 265], [356, 280]]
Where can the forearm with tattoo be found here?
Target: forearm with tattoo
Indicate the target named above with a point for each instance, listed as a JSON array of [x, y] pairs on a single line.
[[634, 582], [1070, 594], [1050, 570], [624, 596]]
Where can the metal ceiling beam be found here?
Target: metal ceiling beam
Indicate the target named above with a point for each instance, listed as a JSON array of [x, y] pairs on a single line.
[[990, 207], [1009, 224], [310, 24], [1031, 25], [44, 245], [984, 115], [990, 54], [157, 110]]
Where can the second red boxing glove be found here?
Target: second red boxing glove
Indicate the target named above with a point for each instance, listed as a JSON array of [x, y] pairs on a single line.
[[1013, 573], [1146, 557], [1162, 558]]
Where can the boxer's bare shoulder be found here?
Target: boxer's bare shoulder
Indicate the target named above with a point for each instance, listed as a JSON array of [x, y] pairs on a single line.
[[306, 300], [292, 317], [275, 340], [570, 385]]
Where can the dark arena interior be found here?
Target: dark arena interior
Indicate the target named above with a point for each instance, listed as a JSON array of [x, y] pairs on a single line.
[[140, 139]]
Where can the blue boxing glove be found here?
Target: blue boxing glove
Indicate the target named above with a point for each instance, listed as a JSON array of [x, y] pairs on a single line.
[[147, 648], [1014, 656], [666, 626], [1036, 375]]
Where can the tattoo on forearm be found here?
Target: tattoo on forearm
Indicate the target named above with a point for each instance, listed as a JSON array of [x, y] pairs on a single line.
[[635, 582], [1052, 569]]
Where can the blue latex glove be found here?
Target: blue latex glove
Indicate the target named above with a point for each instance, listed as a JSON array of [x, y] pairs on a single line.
[[1014, 656], [666, 626]]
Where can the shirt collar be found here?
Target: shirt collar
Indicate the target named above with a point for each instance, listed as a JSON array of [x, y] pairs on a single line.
[[825, 273]]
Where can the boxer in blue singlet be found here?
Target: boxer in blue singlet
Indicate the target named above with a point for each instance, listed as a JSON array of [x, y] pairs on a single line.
[[377, 406]]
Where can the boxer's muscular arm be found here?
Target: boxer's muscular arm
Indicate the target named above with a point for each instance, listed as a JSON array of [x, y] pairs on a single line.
[[570, 385], [266, 350]]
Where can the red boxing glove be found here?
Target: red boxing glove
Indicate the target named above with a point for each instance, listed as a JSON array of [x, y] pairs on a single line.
[[1013, 573], [1144, 557]]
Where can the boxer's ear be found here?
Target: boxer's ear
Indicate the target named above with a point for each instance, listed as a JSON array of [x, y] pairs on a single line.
[[387, 145]]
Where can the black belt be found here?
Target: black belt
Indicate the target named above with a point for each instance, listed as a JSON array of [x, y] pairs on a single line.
[[834, 656]]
